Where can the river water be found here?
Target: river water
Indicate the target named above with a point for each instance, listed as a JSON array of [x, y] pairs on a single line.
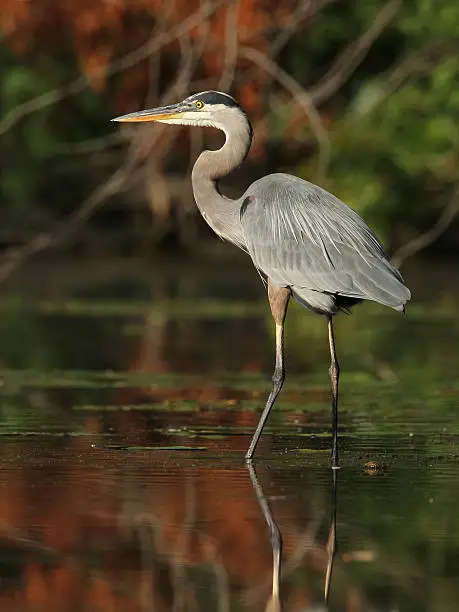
[[128, 394]]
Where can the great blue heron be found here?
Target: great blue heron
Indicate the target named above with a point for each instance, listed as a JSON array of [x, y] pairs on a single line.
[[302, 239]]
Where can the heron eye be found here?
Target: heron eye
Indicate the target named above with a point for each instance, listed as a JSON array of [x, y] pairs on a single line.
[[198, 104]]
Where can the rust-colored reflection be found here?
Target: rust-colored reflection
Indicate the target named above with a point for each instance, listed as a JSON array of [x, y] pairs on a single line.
[[165, 345], [87, 528]]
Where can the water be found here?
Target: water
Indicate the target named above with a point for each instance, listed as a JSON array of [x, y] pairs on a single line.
[[127, 398]]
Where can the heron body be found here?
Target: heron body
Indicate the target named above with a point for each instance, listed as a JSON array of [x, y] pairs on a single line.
[[302, 239]]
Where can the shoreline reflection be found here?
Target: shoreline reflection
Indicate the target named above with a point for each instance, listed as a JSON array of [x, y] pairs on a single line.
[[93, 528]]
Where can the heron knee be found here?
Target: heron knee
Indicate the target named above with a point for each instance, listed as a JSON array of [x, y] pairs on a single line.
[[334, 370], [275, 537], [278, 377]]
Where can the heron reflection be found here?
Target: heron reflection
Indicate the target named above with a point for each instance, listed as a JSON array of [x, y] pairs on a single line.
[[274, 602]]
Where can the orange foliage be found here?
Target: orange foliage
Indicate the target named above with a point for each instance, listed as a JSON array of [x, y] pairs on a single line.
[[99, 31]]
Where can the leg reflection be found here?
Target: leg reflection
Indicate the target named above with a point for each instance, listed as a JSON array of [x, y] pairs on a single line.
[[331, 544], [273, 604]]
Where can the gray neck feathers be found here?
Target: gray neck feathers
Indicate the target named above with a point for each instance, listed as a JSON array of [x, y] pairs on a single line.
[[220, 212], [216, 164]]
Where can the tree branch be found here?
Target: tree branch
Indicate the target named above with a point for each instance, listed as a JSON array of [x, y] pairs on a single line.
[[127, 61], [301, 97], [415, 64], [231, 47], [428, 237], [17, 256], [353, 55], [305, 10]]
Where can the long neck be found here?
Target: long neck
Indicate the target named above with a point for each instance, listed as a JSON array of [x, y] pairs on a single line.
[[220, 212]]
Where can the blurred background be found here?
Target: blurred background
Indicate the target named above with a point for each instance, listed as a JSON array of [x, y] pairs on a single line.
[[136, 348], [360, 97]]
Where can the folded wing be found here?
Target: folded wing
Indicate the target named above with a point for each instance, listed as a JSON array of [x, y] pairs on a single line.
[[300, 235]]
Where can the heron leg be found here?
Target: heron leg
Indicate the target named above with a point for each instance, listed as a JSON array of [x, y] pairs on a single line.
[[278, 300], [334, 379]]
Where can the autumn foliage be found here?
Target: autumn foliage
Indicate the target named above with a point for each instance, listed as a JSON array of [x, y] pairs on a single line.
[[101, 32], [329, 87]]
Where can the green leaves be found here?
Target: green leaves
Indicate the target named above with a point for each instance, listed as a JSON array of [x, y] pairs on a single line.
[[395, 122], [19, 84]]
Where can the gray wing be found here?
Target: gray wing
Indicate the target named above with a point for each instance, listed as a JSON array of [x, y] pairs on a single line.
[[300, 235]]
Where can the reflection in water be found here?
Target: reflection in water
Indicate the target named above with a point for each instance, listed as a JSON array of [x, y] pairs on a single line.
[[87, 529], [331, 544], [274, 604], [100, 511]]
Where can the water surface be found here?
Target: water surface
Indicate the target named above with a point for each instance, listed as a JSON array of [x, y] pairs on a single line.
[[128, 395]]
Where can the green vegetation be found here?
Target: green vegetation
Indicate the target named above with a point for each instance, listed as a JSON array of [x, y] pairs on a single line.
[[394, 137], [391, 123]]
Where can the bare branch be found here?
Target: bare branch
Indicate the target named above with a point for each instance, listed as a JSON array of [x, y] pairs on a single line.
[[127, 61], [190, 57], [17, 256], [415, 64], [92, 145], [231, 47], [305, 10], [154, 65], [353, 55], [431, 235], [301, 97], [196, 136]]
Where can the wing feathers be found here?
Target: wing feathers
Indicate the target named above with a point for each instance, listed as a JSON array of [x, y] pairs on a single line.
[[300, 235]]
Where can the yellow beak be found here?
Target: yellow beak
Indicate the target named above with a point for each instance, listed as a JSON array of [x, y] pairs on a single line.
[[153, 114]]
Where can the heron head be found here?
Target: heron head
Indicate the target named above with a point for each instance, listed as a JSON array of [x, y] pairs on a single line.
[[208, 108]]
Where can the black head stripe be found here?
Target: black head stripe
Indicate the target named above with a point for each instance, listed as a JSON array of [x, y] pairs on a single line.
[[214, 97]]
